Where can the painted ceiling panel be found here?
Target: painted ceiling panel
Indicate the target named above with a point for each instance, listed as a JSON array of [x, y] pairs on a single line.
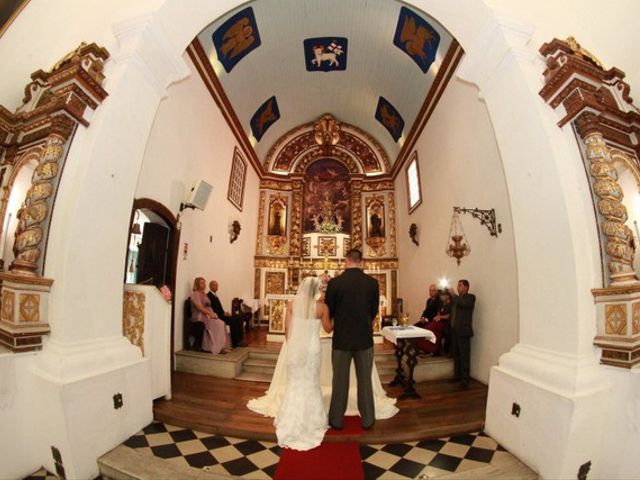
[[376, 67]]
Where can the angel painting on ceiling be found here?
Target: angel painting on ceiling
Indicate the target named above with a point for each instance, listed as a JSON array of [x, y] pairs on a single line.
[[327, 208]]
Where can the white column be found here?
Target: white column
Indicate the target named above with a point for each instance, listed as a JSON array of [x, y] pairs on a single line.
[[87, 360], [552, 373]]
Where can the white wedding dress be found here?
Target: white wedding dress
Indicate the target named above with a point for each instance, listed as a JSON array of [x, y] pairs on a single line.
[[301, 418]]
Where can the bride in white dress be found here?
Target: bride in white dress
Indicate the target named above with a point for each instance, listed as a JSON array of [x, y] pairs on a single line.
[[296, 359], [301, 420]]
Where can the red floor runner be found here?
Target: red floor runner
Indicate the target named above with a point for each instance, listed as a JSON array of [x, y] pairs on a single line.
[[336, 460]]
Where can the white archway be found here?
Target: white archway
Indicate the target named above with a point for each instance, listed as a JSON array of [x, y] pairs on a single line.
[[105, 160]]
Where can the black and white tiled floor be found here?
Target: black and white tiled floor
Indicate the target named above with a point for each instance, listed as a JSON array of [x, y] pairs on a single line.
[[255, 459], [258, 460]]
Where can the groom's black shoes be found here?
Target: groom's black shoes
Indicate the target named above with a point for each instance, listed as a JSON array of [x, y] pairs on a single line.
[[368, 427], [334, 427]]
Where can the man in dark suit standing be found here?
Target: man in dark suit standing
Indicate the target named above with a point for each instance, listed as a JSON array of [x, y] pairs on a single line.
[[353, 300], [235, 323], [461, 331]]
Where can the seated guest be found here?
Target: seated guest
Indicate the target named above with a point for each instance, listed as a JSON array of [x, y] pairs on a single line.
[[439, 326], [215, 333], [431, 308], [235, 323]]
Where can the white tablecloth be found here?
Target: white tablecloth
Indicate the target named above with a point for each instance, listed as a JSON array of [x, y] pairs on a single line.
[[394, 333]]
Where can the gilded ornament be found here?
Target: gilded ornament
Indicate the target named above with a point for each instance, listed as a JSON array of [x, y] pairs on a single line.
[[615, 319], [261, 216], [133, 318], [275, 283], [39, 192], [277, 310], [29, 308], [276, 244], [635, 318], [45, 171], [392, 223], [8, 305], [607, 187]]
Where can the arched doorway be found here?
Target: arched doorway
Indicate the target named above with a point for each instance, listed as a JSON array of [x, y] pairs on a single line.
[[152, 258]]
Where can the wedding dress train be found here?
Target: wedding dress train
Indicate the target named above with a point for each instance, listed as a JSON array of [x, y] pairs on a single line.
[[269, 404]]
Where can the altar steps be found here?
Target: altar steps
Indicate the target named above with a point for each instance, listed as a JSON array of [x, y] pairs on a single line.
[[257, 364]]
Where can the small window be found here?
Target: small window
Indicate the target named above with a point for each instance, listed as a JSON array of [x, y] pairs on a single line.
[[235, 193], [414, 192]]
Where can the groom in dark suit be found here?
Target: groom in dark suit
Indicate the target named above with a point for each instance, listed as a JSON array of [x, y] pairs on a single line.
[[235, 323], [353, 300]]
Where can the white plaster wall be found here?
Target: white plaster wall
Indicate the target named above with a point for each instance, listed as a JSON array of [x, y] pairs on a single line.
[[59, 30], [460, 166], [190, 140], [17, 403], [605, 29], [621, 439]]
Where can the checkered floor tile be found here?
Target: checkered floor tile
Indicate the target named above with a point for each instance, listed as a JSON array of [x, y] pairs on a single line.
[[408, 460], [214, 453], [254, 459]]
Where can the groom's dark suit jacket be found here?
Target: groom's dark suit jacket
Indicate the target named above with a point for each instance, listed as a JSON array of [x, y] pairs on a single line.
[[353, 301]]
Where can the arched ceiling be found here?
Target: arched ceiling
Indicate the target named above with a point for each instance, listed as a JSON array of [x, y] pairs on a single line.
[[386, 64]]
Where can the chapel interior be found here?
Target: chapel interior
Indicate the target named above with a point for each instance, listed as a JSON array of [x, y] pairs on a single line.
[[256, 143]]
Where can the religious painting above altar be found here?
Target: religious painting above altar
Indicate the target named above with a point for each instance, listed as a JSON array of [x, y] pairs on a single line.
[[327, 208]]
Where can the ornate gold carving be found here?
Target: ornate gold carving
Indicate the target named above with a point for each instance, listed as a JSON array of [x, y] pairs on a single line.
[[29, 307], [296, 219], [356, 214], [277, 310], [275, 283], [261, 215], [327, 130], [376, 247], [377, 186], [28, 232], [615, 319], [8, 306], [635, 318], [327, 246], [55, 102], [133, 318], [581, 52], [276, 244], [619, 244], [284, 185], [354, 147], [392, 223]]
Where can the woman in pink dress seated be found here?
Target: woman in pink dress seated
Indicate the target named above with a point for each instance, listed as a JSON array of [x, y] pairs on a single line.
[[215, 334], [438, 326]]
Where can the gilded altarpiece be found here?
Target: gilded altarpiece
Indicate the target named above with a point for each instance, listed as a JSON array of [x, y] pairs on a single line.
[[322, 196], [42, 129], [597, 103]]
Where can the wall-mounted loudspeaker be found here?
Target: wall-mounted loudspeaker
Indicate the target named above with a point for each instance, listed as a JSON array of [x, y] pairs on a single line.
[[198, 196]]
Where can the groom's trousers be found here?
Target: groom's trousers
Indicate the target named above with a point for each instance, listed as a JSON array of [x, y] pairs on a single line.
[[341, 362]]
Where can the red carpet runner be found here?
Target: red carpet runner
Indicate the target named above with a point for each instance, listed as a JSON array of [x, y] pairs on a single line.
[[329, 461]]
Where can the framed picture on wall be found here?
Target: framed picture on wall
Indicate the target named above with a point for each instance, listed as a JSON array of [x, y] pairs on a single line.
[[235, 194]]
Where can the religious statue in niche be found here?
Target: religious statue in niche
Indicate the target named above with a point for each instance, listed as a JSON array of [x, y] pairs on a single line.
[[376, 237], [327, 207], [277, 217]]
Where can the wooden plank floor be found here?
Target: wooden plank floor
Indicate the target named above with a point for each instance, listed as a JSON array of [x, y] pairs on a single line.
[[218, 406]]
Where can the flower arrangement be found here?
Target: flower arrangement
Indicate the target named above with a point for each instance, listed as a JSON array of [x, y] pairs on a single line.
[[165, 292]]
